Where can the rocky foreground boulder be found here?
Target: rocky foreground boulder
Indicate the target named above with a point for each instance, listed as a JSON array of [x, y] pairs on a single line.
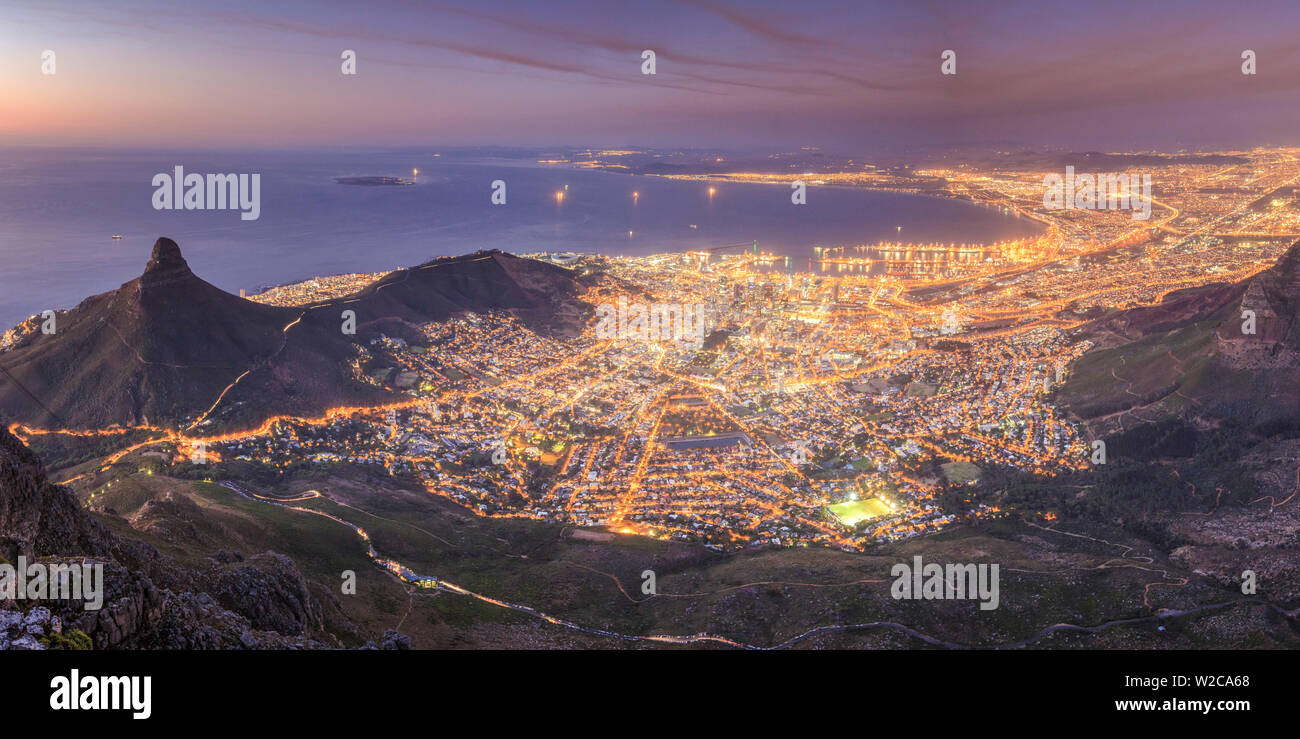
[[149, 601]]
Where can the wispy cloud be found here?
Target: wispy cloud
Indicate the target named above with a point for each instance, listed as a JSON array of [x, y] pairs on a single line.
[[756, 24]]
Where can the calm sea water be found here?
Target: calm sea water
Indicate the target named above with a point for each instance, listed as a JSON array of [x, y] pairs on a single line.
[[60, 208]]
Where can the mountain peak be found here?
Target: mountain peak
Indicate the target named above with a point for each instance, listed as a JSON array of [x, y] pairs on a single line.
[[166, 265], [175, 343], [165, 252]]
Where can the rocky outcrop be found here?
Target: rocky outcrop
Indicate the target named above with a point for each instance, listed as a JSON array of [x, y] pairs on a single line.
[[149, 601], [36, 517], [390, 641], [197, 621], [28, 631], [269, 591], [132, 605]]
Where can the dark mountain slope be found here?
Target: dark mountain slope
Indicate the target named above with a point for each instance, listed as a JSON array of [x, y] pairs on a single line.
[[164, 347], [161, 348], [1190, 357], [149, 599], [541, 295], [1201, 424]]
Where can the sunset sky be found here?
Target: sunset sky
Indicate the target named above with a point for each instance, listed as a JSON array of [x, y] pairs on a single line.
[[849, 75]]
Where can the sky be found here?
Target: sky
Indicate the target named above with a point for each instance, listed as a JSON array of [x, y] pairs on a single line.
[[854, 76]]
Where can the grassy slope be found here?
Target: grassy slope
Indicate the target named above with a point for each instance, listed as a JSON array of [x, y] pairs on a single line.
[[753, 596]]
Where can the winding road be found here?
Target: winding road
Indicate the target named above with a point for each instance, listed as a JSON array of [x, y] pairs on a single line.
[[408, 575]]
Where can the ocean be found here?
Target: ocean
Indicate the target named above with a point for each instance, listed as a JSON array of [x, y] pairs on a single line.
[[59, 209]]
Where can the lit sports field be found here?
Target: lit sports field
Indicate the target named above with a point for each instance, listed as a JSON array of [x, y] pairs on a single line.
[[855, 511], [961, 472]]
